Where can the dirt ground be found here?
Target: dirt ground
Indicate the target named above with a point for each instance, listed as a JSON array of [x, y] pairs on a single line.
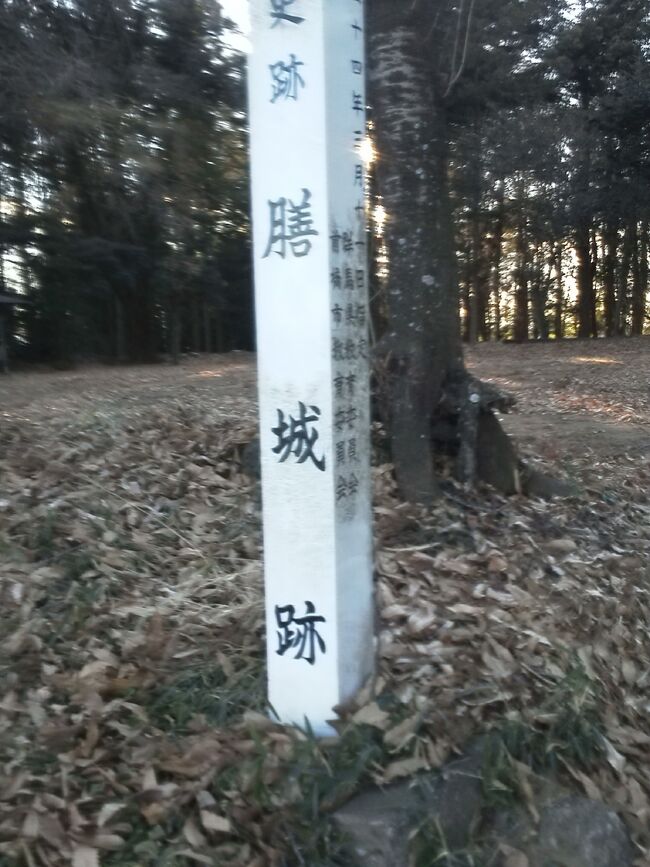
[[574, 396], [132, 678], [220, 379], [571, 397]]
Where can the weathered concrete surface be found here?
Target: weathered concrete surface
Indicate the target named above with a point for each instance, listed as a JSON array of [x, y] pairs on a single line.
[[572, 832], [378, 823]]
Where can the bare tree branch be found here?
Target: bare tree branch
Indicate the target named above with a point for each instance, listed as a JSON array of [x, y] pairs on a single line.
[[468, 28], [459, 25]]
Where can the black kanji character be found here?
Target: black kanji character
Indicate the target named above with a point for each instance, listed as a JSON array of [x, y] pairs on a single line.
[[299, 633], [351, 416], [286, 80], [280, 13], [293, 225], [298, 437]]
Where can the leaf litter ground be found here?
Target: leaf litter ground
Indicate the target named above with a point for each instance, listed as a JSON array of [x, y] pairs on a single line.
[[132, 710]]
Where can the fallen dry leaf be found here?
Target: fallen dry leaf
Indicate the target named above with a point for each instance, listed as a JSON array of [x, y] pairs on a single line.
[[84, 856]]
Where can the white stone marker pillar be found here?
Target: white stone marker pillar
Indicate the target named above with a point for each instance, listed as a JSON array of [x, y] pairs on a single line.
[[307, 108]]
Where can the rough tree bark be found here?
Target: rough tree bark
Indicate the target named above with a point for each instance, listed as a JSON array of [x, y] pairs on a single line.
[[609, 276], [622, 294], [558, 327], [643, 266], [499, 229], [585, 281], [638, 291], [583, 225], [419, 357], [521, 323], [422, 343], [539, 286]]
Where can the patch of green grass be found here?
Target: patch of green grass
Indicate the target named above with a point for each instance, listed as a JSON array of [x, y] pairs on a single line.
[[575, 731], [313, 781], [429, 849], [329, 777], [569, 730], [71, 600], [206, 691], [41, 762], [75, 563], [572, 732], [5, 546], [499, 777], [44, 536], [150, 847]]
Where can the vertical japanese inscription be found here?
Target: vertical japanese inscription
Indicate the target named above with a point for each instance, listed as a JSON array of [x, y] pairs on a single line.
[[308, 97], [349, 312], [296, 434]]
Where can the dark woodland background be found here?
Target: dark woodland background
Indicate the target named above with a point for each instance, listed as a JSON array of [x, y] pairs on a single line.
[[124, 187]]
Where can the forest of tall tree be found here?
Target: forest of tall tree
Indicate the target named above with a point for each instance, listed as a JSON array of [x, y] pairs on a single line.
[[124, 221]]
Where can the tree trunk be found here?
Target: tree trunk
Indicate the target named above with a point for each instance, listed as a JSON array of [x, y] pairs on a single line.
[[476, 281], [521, 323], [595, 255], [585, 280], [196, 324], [4, 344], [559, 292], [207, 329], [497, 257], [609, 278], [465, 289], [120, 329], [638, 295], [539, 295], [174, 329], [622, 295], [422, 342], [583, 224], [643, 268], [3, 210]]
